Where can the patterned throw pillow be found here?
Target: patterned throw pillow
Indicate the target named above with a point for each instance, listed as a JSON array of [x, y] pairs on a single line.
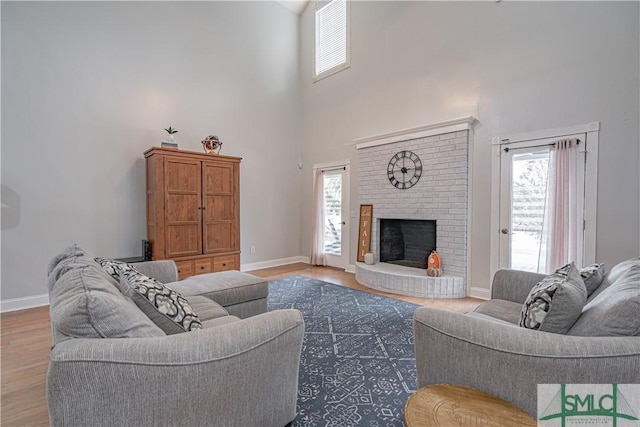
[[165, 307], [114, 267], [556, 302], [592, 276], [168, 309]]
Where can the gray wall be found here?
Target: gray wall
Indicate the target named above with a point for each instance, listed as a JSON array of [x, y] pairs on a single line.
[[87, 87], [515, 66]]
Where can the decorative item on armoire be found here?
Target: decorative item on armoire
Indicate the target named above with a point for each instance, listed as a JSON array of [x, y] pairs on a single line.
[[170, 140], [211, 144], [434, 265]]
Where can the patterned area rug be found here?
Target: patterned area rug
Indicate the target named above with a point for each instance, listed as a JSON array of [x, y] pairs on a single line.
[[358, 365]]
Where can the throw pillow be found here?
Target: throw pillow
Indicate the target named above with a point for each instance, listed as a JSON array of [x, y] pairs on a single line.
[[169, 310], [614, 312], [113, 267], [556, 302], [71, 257], [86, 303], [592, 277]]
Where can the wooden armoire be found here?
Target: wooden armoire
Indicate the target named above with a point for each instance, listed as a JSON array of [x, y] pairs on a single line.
[[193, 210]]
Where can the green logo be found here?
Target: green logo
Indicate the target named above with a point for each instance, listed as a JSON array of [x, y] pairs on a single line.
[[589, 404]]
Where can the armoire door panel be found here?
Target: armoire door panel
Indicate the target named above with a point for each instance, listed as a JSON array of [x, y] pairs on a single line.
[[182, 175], [183, 239], [218, 237], [183, 213], [219, 208], [218, 178], [183, 207]]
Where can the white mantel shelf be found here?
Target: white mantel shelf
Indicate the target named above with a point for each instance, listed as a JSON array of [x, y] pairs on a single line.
[[409, 281], [454, 125]]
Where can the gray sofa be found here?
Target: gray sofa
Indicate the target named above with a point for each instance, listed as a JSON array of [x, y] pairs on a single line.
[[111, 365], [486, 349]]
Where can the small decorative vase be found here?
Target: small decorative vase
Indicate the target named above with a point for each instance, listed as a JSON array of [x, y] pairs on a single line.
[[369, 258]]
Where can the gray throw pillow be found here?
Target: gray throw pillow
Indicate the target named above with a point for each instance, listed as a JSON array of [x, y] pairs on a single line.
[[592, 276], [556, 302], [73, 256], [616, 310], [86, 303], [169, 310]]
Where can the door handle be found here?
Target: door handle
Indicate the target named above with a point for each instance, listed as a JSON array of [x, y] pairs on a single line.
[[505, 231]]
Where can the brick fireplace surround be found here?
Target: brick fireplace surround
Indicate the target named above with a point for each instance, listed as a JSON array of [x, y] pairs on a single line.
[[441, 194]]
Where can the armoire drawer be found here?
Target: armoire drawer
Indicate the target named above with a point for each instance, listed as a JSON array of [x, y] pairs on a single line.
[[202, 266], [185, 269], [224, 263]]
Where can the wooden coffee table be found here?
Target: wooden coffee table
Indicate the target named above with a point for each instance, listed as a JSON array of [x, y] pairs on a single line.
[[445, 405]]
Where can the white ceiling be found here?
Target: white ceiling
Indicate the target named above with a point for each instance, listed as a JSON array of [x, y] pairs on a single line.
[[296, 6]]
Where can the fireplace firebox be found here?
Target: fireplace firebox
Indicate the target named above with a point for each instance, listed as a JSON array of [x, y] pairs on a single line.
[[407, 242]]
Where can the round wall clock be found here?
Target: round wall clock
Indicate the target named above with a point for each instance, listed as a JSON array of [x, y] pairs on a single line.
[[404, 170]]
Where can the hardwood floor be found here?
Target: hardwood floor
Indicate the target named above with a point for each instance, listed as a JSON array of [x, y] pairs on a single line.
[[26, 339]]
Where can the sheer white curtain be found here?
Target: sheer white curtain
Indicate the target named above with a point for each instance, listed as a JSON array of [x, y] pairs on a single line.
[[318, 256], [561, 216]]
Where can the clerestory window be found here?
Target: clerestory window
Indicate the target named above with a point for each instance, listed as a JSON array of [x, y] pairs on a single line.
[[332, 52]]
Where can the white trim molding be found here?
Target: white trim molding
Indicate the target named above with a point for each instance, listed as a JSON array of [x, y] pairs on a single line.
[[24, 303], [481, 293], [588, 128], [447, 126], [331, 165], [274, 263]]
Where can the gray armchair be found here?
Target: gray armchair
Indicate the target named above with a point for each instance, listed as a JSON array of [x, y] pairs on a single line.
[[486, 350]]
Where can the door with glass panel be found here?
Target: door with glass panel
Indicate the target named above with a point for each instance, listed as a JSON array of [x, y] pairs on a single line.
[[335, 185], [524, 210]]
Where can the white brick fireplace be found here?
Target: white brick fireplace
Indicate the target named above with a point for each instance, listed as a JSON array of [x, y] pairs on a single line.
[[441, 194]]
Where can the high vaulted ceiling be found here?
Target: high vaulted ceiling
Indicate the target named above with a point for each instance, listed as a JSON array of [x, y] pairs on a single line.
[[296, 6]]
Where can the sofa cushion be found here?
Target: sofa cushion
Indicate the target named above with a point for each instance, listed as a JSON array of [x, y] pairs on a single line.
[[165, 307], [483, 316], [501, 309], [219, 321], [226, 287], [614, 311], [85, 302], [592, 276], [206, 308], [556, 302]]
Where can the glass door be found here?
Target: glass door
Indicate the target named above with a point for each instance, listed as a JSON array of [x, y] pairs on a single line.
[[524, 181], [522, 230], [335, 214]]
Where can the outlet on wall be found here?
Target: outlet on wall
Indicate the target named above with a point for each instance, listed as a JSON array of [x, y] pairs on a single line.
[[252, 249]]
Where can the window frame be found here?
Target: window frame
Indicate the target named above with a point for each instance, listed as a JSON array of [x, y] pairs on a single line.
[[347, 63]]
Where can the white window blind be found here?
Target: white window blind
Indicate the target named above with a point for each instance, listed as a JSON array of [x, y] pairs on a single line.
[[332, 38]]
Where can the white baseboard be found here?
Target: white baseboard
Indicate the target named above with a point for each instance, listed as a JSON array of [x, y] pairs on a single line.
[[351, 268], [481, 293], [23, 303], [274, 263]]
